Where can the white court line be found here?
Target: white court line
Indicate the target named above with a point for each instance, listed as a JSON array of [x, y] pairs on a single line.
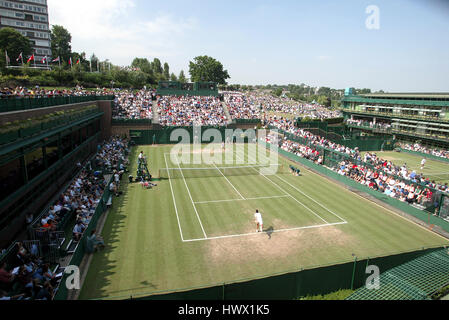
[[280, 188], [247, 199], [265, 232], [190, 195], [243, 198], [174, 201], [311, 199]]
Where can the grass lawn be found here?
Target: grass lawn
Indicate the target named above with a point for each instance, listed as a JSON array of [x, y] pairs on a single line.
[[434, 170], [197, 228]]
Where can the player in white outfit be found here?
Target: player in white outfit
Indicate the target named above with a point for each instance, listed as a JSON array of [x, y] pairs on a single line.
[[423, 163], [259, 221]]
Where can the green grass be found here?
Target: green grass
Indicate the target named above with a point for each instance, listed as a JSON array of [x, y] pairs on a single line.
[[146, 253], [437, 171]]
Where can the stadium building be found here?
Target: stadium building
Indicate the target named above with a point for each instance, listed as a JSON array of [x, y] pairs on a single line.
[[41, 143], [406, 116], [30, 18]]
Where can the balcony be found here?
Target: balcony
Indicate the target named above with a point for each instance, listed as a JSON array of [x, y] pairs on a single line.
[[390, 115]]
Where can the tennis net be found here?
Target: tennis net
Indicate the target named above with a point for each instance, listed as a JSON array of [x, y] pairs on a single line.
[[213, 171]]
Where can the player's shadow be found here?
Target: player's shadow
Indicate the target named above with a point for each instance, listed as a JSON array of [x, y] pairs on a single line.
[[269, 232]]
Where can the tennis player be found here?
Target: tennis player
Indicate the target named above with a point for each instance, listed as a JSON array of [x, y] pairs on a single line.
[[423, 163], [259, 221]]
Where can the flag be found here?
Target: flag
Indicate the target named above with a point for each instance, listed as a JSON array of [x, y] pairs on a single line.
[[70, 61], [31, 58], [78, 61], [7, 57], [44, 60], [20, 57], [56, 60]]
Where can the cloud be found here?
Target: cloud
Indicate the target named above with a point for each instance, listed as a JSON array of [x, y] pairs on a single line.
[[111, 31]]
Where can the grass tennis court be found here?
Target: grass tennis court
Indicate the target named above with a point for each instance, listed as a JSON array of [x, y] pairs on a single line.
[[437, 171], [197, 227]]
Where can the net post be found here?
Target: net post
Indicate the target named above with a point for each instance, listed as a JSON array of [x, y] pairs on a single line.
[[353, 273]]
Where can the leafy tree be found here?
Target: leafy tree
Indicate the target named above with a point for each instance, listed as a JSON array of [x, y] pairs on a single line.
[[14, 43], [94, 61], [182, 78], [205, 68], [166, 71], [61, 43], [278, 92], [173, 77], [143, 64], [157, 66]]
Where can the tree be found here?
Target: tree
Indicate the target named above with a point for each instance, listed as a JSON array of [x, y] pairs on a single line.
[[278, 92], [143, 64], [157, 66], [173, 77], [205, 68], [182, 77], [166, 71], [61, 43], [14, 43], [94, 61]]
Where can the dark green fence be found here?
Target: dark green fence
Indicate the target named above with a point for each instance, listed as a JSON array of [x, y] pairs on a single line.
[[130, 122], [316, 280], [26, 103], [247, 121], [163, 136]]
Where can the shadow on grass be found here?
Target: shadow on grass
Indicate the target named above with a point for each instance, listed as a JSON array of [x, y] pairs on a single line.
[[269, 232]]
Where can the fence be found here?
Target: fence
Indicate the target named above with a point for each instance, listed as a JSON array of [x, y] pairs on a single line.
[[27, 103], [293, 284], [163, 136], [129, 122], [414, 280]]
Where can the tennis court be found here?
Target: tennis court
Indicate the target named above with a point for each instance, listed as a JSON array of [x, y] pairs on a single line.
[[437, 171], [197, 229], [238, 189]]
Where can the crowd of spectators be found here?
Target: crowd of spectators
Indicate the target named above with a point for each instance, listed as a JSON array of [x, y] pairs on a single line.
[[369, 161], [242, 106], [38, 92], [189, 111], [133, 105], [432, 151], [370, 124], [375, 178], [82, 196], [27, 276]]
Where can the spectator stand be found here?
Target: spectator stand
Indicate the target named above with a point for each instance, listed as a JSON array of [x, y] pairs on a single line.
[[79, 249]]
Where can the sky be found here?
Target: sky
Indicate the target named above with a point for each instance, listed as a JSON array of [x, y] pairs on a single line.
[[395, 46]]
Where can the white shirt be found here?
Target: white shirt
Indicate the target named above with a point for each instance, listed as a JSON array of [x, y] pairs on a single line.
[[258, 217]]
